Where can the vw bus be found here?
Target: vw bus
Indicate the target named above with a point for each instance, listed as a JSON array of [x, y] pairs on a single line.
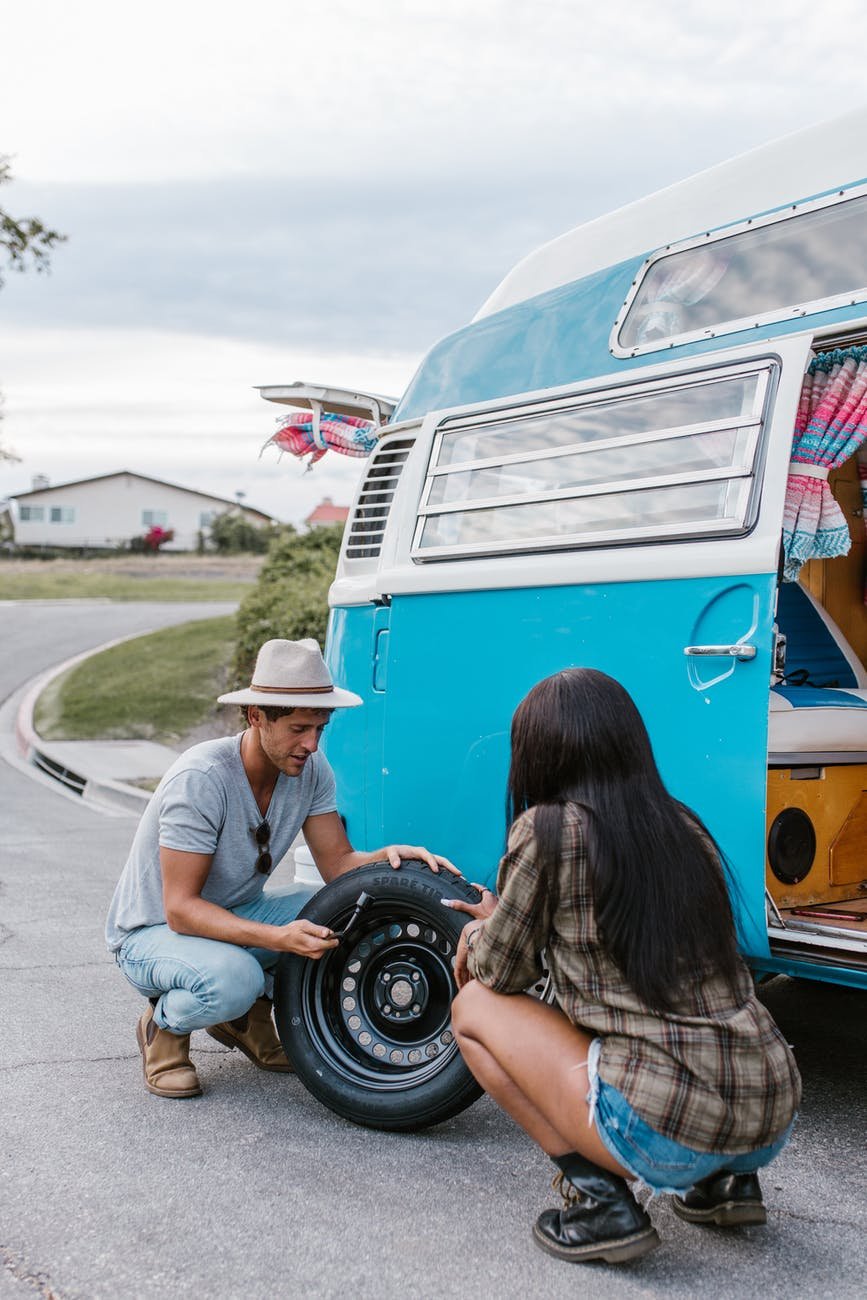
[[597, 471]]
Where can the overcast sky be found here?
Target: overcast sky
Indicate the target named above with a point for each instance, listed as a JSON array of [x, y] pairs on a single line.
[[268, 192]]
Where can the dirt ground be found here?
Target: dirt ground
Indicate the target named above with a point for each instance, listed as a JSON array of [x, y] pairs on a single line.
[[163, 565]]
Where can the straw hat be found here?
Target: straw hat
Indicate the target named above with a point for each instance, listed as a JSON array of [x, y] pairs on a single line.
[[292, 674]]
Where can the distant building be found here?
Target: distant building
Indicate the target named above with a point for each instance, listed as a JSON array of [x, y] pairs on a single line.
[[109, 510], [327, 513]]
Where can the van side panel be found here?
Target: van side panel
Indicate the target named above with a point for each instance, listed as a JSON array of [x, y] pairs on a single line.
[[459, 663]]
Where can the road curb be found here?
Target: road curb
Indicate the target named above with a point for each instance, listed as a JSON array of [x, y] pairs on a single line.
[[36, 752]]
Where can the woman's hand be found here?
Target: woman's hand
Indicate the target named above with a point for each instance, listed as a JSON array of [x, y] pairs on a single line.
[[462, 970], [479, 911]]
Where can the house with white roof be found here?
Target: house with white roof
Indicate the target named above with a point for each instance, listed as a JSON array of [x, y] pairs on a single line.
[[108, 510]]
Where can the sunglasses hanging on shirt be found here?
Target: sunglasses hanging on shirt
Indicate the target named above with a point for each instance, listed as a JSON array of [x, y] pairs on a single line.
[[264, 861]]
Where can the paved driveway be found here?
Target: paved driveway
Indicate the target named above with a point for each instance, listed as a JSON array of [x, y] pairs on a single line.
[[254, 1190]]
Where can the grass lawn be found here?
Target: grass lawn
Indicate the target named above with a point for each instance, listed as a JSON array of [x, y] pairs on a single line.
[[158, 577], [160, 687], [56, 586]]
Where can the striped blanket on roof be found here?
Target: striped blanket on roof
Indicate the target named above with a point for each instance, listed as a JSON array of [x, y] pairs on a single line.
[[347, 434]]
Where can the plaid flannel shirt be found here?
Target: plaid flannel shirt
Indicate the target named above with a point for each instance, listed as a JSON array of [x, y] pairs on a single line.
[[715, 1074]]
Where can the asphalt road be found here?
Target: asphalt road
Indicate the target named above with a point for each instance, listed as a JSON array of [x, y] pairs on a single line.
[[254, 1190]]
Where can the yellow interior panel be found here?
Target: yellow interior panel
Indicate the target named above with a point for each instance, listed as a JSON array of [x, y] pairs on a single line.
[[837, 807], [838, 584], [848, 865]]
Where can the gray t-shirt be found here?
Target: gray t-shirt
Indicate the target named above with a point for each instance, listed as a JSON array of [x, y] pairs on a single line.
[[204, 804]]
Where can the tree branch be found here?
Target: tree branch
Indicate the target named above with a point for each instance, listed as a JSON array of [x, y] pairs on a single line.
[[25, 237]]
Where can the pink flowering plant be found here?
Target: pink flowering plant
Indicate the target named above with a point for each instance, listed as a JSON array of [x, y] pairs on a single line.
[[151, 541], [156, 537]]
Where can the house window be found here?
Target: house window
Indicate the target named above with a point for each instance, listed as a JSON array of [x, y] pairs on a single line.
[[32, 514], [206, 518], [62, 514], [671, 460], [154, 518]]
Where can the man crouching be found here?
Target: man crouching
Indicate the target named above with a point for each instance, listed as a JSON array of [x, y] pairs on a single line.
[[191, 925]]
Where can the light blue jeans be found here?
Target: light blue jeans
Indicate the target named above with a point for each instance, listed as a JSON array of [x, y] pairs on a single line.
[[201, 982]]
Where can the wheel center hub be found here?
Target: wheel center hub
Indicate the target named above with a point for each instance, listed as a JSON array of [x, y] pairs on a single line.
[[401, 992]]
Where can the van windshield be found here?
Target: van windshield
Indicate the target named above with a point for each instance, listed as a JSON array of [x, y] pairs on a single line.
[[763, 272]]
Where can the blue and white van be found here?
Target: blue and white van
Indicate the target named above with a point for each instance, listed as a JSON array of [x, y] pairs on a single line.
[[594, 472]]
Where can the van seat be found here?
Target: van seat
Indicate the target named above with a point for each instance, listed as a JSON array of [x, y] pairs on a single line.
[[827, 714], [814, 642]]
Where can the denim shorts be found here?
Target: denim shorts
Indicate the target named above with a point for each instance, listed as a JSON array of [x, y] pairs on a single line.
[[660, 1163]]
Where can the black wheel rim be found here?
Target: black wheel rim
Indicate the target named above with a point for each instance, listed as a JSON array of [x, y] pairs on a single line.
[[379, 1006]]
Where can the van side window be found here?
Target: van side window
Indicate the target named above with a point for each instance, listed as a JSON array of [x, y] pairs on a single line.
[[667, 460], [812, 256]]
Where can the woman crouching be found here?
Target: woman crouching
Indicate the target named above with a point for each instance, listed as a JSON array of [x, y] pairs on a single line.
[[658, 1062]]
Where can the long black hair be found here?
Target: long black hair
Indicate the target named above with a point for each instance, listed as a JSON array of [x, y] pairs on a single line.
[[661, 904]]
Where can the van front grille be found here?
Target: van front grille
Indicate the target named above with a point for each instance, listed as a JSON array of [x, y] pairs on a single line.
[[367, 526]]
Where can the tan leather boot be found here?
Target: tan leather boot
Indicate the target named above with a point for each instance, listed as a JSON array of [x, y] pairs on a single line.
[[165, 1058], [254, 1034]]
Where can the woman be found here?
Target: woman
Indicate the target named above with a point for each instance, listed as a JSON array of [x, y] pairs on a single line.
[[658, 1062]]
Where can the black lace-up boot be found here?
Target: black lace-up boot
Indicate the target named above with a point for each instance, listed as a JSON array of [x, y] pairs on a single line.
[[600, 1218], [725, 1199]]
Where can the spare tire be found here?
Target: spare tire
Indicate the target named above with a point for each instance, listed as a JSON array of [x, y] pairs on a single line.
[[368, 1026]]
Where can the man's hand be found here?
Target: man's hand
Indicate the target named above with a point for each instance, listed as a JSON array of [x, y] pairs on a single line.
[[305, 938], [397, 853], [334, 855]]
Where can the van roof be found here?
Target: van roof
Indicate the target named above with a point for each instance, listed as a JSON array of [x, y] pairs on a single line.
[[798, 166]]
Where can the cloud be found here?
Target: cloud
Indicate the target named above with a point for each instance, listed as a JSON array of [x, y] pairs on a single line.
[[366, 266], [325, 189], [367, 263], [394, 87], [364, 177], [178, 407]]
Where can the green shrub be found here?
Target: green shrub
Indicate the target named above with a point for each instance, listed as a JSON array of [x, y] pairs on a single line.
[[232, 534], [290, 598]]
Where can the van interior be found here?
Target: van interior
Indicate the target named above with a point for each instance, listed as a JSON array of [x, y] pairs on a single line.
[[816, 865]]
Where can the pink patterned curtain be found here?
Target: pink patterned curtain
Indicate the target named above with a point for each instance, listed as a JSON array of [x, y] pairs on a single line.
[[831, 426]]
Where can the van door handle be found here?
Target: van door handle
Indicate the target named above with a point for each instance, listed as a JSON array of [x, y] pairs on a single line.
[[731, 651], [380, 660]]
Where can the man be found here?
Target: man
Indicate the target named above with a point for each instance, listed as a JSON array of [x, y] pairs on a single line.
[[190, 924]]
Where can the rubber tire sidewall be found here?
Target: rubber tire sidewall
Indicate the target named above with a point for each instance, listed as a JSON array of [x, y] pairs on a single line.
[[439, 1098]]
